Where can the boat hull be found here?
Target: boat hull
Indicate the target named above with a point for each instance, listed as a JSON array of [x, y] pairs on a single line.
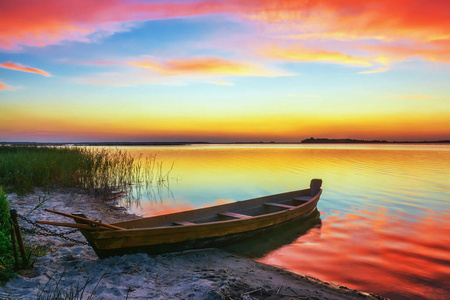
[[141, 237]]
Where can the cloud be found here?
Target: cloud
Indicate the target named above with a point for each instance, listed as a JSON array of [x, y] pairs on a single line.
[[436, 51], [377, 70], [50, 21], [302, 54], [19, 67], [204, 66], [46, 22], [4, 86], [299, 53], [398, 29], [220, 82], [177, 71], [353, 19]]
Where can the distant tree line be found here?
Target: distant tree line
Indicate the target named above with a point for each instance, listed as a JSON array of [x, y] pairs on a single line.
[[354, 141]]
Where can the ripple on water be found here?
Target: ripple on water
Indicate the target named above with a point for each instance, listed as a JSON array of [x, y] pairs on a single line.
[[384, 209]]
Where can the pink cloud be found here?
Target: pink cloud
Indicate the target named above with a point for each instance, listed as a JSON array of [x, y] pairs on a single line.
[[45, 22], [422, 23], [19, 67], [436, 51], [4, 86]]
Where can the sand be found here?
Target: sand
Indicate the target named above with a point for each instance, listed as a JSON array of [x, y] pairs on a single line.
[[204, 274]]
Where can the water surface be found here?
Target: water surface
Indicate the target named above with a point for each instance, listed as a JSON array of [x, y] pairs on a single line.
[[383, 224]]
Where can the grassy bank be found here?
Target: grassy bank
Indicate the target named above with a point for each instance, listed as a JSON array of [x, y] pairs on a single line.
[[102, 171], [6, 253]]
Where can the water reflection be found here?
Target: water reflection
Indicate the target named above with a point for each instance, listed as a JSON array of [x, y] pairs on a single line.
[[152, 193], [384, 210], [370, 251], [276, 237]]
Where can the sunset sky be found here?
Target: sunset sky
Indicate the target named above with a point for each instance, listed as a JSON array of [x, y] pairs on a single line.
[[218, 71]]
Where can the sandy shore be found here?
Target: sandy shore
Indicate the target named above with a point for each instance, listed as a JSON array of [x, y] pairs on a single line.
[[205, 274]]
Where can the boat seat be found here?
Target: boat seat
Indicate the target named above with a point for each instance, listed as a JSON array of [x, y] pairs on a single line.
[[183, 223], [284, 206], [234, 215]]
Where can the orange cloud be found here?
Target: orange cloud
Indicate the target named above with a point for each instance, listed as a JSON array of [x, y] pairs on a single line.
[[397, 29], [44, 22], [204, 66], [300, 53], [19, 67], [379, 19]]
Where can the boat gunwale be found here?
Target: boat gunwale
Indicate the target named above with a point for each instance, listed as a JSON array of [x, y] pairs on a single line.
[[105, 234], [217, 206]]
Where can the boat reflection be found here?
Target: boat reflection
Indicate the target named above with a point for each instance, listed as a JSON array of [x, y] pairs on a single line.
[[275, 237], [393, 257]]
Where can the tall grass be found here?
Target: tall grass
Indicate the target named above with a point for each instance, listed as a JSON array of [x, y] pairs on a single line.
[[6, 252], [99, 170]]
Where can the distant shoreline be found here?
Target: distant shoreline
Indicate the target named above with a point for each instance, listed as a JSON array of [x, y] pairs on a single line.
[[305, 141], [353, 141]]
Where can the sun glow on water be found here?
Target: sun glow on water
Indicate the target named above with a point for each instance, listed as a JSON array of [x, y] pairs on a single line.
[[383, 211]]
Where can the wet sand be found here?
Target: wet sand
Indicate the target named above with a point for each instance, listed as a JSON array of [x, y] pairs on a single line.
[[203, 274]]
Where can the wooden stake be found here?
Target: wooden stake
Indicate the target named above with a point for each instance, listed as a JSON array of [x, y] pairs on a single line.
[[13, 213], [13, 240]]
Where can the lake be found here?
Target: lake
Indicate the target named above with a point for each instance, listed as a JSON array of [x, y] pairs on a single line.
[[383, 222]]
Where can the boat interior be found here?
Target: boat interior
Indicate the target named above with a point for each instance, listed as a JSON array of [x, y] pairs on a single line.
[[262, 209], [232, 211]]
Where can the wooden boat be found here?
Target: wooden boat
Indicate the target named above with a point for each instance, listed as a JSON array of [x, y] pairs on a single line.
[[201, 228]]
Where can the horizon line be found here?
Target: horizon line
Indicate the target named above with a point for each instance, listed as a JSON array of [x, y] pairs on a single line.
[[162, 143]]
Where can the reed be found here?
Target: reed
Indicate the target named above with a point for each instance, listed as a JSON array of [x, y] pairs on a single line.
[[102, 171]]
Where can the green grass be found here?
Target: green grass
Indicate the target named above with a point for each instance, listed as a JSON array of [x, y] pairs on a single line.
[[8, 264], [102, 171], [6, 253]]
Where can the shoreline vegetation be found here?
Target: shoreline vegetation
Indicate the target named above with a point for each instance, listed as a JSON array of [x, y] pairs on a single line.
[[105, 174], [99, 171], [311, 140], [71, 270]]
